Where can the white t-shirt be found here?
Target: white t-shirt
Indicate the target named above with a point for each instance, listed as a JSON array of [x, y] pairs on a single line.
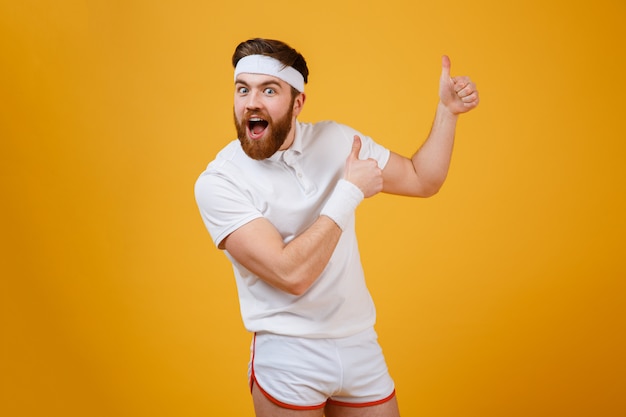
[[290, 189]]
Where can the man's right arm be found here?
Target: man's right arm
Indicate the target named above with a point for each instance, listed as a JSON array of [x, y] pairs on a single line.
[[293, 267], [290, 267]]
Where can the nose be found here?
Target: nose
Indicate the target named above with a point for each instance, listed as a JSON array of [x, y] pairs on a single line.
[[253, 101]]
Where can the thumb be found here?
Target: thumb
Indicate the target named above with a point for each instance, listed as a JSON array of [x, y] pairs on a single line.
[[445, 67], [356, 148]]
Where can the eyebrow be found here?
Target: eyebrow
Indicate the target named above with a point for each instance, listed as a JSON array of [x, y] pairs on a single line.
[[263, 84]]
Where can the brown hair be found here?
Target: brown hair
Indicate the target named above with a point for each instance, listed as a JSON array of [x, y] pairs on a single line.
[[276, 49]]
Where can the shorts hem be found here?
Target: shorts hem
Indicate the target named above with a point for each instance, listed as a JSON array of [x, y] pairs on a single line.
[[360, 405], [337, 401], [279, 403], [285, 405]]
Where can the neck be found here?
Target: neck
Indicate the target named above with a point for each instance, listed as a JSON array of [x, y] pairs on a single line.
[[290, 137]]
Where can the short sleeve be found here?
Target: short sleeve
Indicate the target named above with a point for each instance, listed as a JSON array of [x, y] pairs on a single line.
[[223, 207], [369, 148]]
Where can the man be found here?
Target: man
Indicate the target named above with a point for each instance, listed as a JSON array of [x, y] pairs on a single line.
[[280, 201]]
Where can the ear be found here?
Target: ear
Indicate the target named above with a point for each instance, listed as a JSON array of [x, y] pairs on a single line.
[[298, 103]]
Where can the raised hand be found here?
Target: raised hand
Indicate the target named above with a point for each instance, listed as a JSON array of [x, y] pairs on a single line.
[[457, 94], [364, 173]]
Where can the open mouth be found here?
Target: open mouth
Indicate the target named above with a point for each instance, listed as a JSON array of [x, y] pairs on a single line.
[[256, 127]]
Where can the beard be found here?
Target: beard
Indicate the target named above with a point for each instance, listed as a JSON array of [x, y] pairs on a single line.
[[274, 136]]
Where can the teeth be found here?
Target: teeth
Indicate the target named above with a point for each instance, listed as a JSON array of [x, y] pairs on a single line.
[[255, 119]]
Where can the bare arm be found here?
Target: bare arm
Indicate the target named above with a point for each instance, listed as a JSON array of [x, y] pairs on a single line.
[[294, 266], [291, 267], [424, 173]]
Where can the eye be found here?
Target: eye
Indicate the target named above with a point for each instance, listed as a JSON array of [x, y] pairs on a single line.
[[242, 90], [269, 91]]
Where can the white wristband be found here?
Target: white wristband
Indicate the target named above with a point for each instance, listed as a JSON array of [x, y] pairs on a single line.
[[342, 203]]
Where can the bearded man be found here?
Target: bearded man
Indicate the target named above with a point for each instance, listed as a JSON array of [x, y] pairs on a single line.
[[280, 202]]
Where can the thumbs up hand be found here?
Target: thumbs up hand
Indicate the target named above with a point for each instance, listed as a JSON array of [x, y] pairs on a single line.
[[457, 94], [364, 173]]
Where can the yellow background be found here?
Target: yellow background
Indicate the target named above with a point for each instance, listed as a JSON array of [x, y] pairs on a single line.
[[501, 296]]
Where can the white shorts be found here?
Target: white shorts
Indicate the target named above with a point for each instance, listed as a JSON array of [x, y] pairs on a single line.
[[300, 373]]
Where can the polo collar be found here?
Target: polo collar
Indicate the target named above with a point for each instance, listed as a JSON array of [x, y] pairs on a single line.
[[295, 148]]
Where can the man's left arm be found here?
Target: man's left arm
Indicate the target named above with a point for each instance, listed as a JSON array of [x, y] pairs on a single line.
[[424, 173]]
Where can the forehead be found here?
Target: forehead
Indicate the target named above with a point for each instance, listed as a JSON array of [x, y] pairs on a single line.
[[252, 79]]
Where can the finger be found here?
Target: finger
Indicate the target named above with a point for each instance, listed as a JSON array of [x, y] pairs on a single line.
[[460, 83], [471, 99], [356, 148], [466, 91], [445, 67]]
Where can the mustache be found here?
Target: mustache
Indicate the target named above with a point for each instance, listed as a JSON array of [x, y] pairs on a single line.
[[248, 114]]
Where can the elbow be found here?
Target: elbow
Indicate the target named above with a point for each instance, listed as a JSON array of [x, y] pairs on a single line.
[[294, 284], [301, 284], [432, 187], [297, 277], [297, 290], [426, 190], [430, 191]]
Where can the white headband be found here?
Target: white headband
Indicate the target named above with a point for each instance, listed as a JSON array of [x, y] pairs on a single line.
[[263, 64]]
